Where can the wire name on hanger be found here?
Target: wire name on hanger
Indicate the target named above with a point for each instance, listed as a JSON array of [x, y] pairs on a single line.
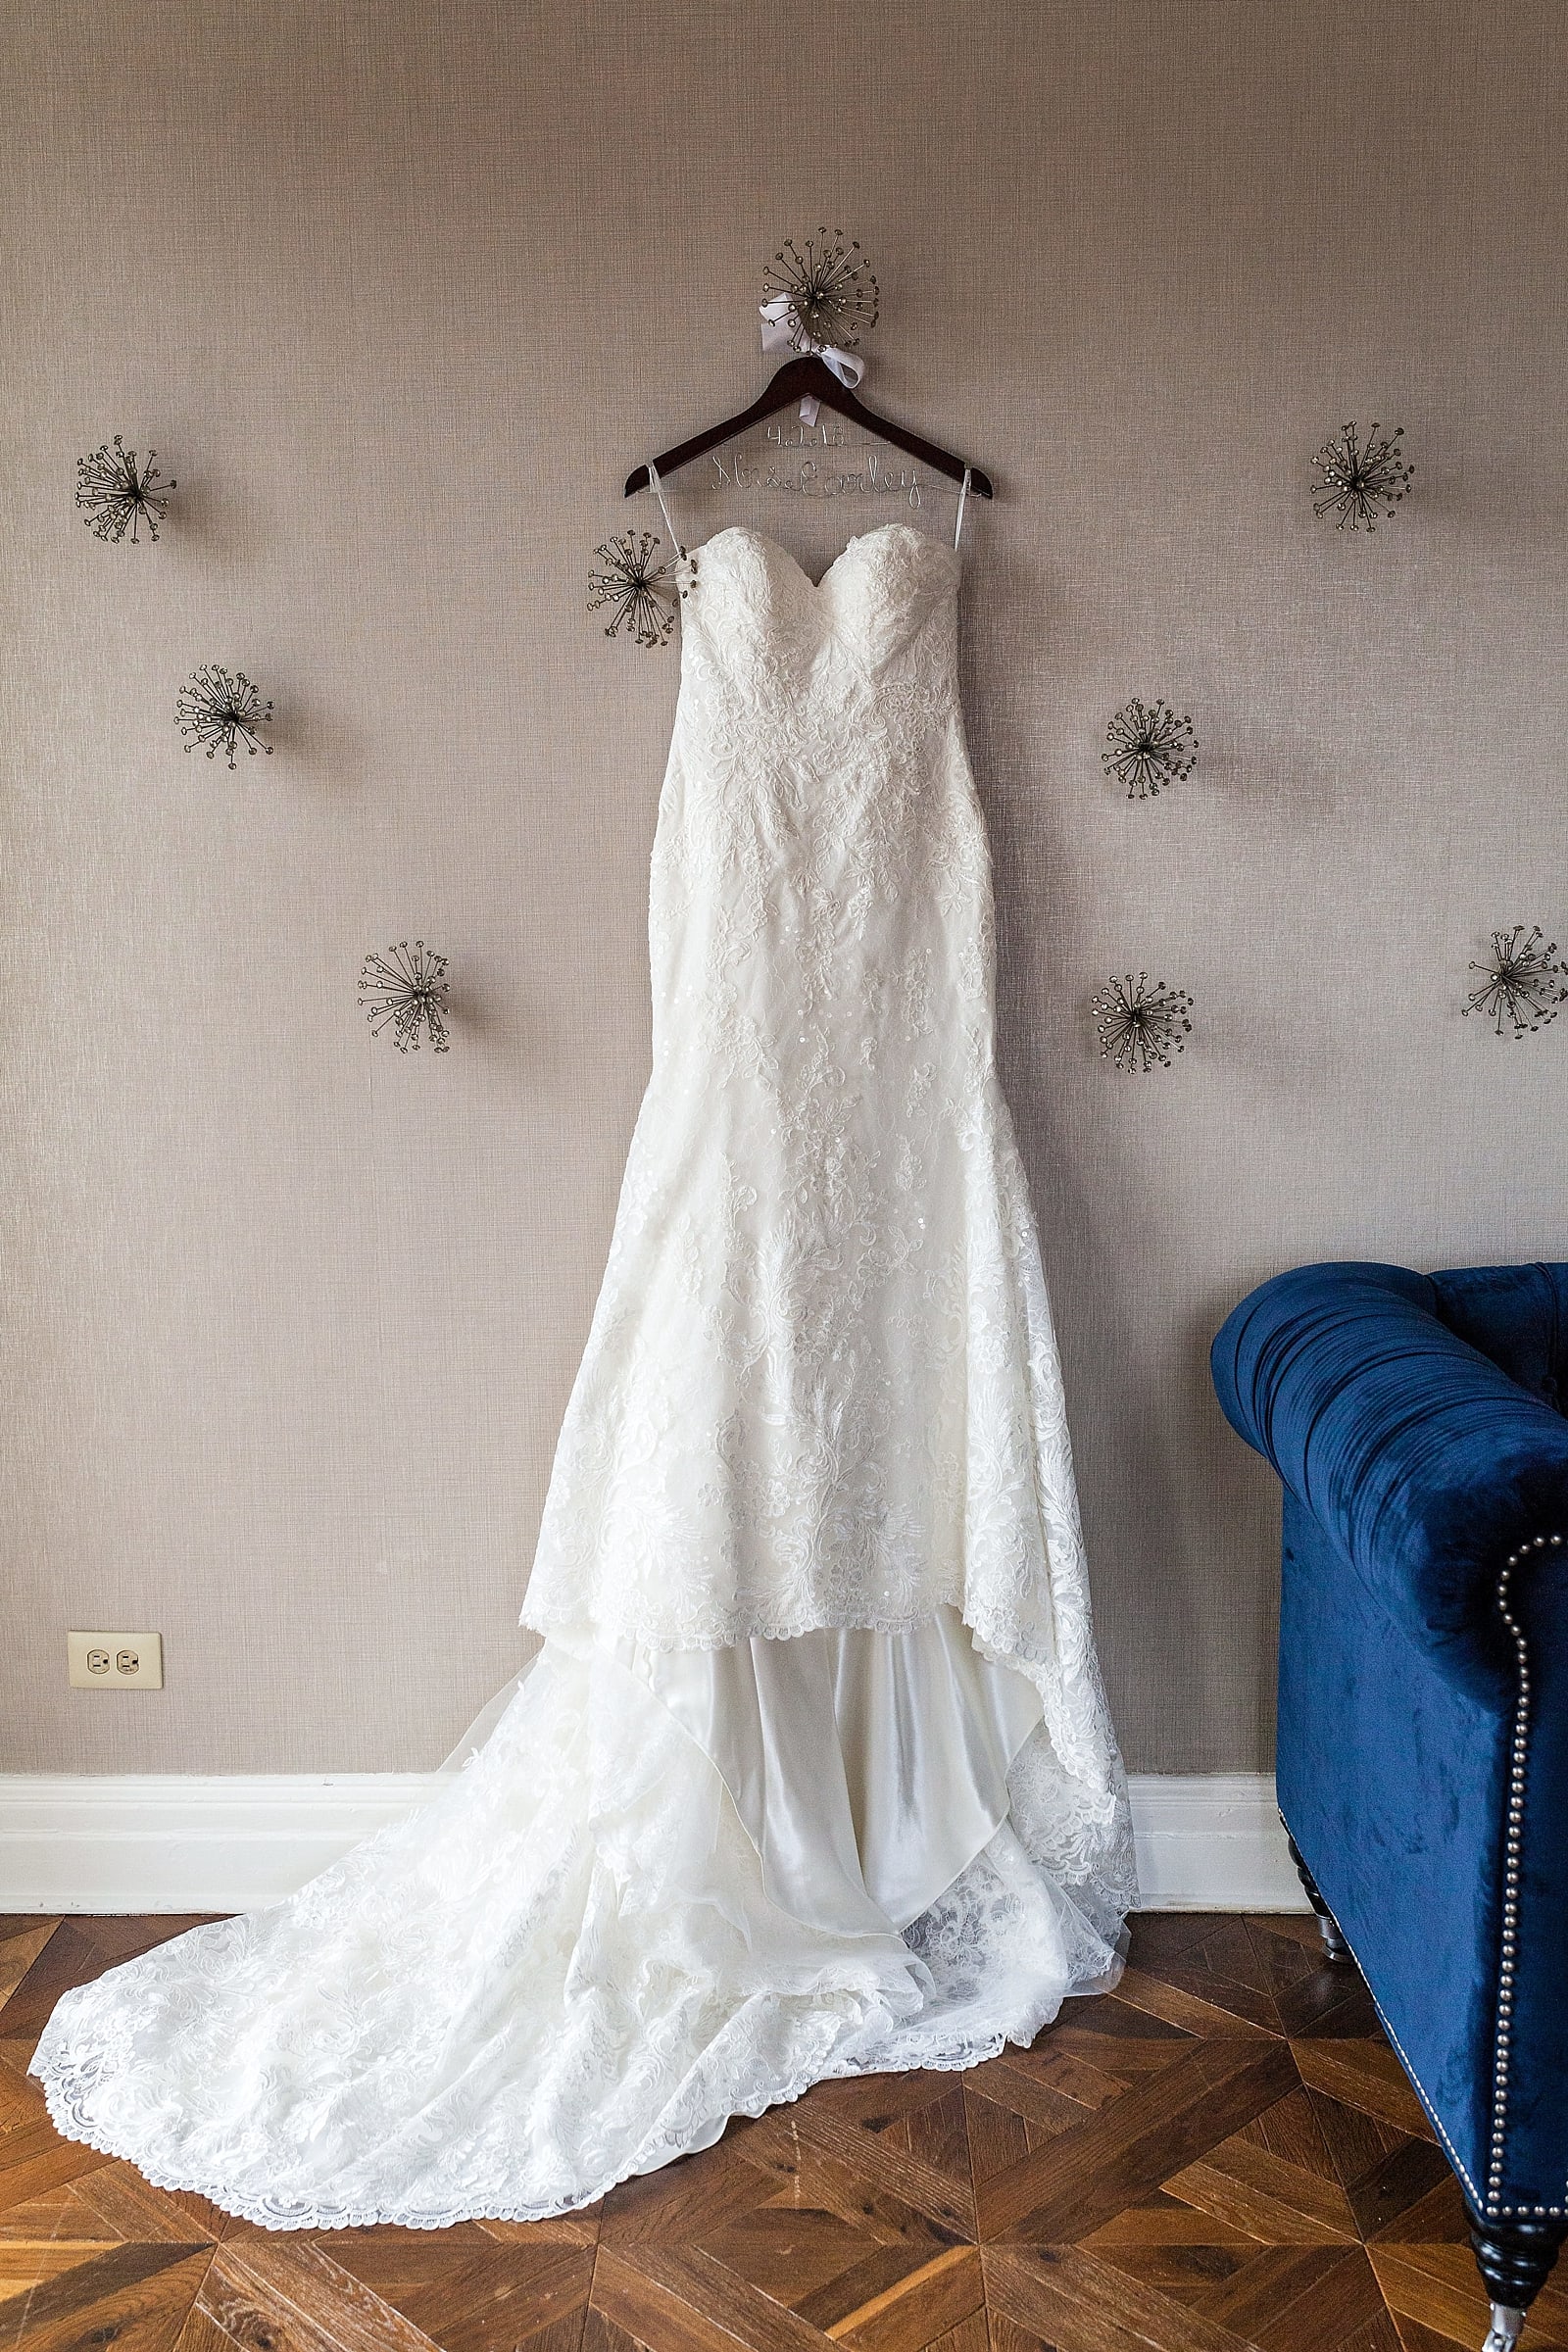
[[789, 469]]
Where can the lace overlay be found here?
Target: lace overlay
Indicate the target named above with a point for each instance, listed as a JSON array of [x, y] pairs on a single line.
[[820, 1392], [821, 1386]]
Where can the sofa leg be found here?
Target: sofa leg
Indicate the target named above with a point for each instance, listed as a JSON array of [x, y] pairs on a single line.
[[1514, 2259], [1335, 1946]]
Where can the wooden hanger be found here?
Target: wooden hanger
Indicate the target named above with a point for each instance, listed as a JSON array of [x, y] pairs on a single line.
[[810, 378]]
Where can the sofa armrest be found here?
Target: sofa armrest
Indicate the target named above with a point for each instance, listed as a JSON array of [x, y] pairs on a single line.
[[1421, 1460]]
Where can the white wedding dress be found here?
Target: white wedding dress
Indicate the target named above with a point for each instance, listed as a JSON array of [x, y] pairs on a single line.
[[813, 1774]]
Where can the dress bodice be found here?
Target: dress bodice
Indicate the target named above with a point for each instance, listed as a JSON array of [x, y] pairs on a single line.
[[749, 603], [820, 889]]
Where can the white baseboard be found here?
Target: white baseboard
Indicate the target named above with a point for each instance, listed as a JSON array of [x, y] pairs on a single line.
[[1212, 1841], [177, 1843], [184, 1841]]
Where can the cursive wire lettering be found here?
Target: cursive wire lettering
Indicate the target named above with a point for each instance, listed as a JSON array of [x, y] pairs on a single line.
[[841, 469]]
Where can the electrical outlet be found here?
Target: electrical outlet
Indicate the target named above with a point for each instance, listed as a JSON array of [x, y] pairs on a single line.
[[115, 1661]]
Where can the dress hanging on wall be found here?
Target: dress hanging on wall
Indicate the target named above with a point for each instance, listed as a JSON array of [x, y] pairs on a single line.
[[813, 1774]]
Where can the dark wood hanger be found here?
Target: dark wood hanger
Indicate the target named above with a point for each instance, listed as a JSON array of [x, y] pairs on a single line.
[[810, 378]]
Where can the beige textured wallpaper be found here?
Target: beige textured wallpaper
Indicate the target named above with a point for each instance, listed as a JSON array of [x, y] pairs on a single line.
[[399, 291]]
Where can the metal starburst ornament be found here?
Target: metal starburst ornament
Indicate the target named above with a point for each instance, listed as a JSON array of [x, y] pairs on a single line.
[[1148, 748], [219, 711], [120, 493], [642, 591], [1140, 1023], [406, 988], [827, 285], [1524, 983], [1360, 482]]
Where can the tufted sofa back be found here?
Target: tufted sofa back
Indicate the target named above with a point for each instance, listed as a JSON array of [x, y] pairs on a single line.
[[1518, 1316]]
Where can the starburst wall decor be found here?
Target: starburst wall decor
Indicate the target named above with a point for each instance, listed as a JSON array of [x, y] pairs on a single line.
[[1148, 748], [219, 711], [826, 288], [1523, 983], [1141, 1024], [642, 592], [406, 989], [1360, 481], [120, 493]]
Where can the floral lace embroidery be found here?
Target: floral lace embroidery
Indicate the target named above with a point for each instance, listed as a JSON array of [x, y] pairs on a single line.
[[821, 1386]]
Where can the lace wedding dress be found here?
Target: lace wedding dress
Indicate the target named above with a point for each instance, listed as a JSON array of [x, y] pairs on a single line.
[[813, 1774]]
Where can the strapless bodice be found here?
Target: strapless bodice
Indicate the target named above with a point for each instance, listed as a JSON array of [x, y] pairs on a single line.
[[747, 598]]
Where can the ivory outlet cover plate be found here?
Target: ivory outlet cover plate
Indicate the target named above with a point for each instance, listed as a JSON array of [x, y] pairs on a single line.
[[115, 1661]]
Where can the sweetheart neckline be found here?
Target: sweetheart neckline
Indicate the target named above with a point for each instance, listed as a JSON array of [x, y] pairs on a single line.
[[746, 531]]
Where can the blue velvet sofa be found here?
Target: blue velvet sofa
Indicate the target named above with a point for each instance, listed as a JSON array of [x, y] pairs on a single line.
[[1418, 1425]]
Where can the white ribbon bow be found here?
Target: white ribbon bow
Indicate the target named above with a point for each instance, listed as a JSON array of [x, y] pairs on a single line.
[[779, 334]]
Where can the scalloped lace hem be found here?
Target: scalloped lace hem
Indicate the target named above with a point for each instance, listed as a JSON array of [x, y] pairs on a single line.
[[63, 2095], [726, 1632], [60, 2086], [587, 1629]]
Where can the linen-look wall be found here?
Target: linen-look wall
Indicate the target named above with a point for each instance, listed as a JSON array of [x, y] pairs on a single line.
[[399, 292]]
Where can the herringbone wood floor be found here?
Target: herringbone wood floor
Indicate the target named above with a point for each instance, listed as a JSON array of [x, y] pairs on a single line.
[[1223, 2154]]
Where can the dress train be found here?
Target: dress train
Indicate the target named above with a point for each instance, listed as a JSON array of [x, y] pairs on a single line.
[[599, 1941]]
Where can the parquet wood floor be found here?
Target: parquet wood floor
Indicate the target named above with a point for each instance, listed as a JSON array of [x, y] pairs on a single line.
[[1222, 2156]]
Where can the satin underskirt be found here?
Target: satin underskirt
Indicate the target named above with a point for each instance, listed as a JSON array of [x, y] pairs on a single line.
[[666, 1889]]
